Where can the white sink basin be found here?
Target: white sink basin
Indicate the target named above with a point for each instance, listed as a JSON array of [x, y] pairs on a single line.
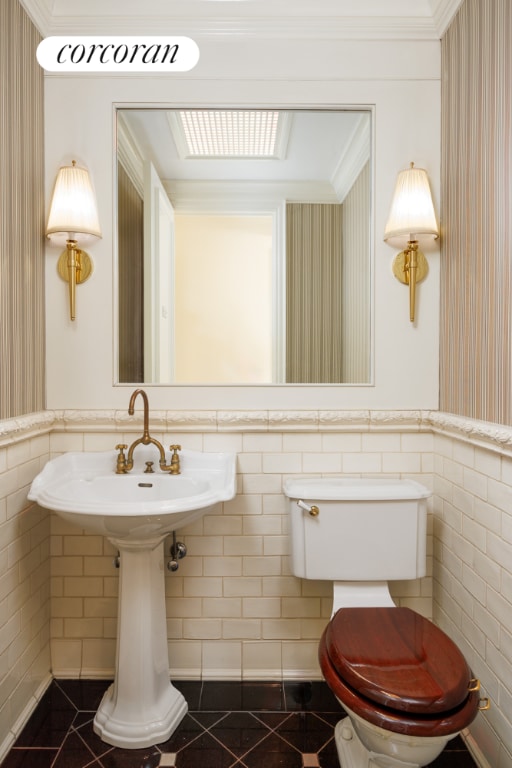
[[84, 489]]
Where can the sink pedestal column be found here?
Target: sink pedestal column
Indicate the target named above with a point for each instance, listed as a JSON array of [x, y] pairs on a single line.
[[141, 708]]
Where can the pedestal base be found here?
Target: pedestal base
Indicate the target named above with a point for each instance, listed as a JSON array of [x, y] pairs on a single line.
[[139, 730], [141, 708]]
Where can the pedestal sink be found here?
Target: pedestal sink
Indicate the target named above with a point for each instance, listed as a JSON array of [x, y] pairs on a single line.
[[136, 512]]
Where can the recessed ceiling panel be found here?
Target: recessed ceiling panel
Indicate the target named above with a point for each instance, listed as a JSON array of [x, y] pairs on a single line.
[[229, 133]]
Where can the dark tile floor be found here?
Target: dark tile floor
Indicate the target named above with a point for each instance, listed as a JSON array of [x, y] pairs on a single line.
[[229, 725]]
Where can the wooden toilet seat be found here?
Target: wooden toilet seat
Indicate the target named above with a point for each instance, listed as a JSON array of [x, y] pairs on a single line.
[[397, 670]]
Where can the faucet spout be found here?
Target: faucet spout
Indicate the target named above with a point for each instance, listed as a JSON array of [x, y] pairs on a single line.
[[131, 411], [125, 463]]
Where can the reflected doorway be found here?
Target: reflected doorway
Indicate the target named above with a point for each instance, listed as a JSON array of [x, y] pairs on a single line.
[[223, 272]]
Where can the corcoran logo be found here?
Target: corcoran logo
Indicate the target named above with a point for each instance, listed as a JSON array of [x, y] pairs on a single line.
[[117, 54]]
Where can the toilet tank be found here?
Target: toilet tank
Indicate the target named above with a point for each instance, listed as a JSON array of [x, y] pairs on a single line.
[[365, 529]]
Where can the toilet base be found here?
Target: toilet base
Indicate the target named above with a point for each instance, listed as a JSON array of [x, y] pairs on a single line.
[[353, 754]]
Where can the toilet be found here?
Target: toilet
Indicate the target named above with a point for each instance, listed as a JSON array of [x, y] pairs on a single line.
[[404, 685]]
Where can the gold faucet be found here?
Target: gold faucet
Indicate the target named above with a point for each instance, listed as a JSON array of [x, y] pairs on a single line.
[[125, 463]]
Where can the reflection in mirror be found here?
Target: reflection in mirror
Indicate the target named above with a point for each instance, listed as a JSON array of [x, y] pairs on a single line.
[[243, 246]]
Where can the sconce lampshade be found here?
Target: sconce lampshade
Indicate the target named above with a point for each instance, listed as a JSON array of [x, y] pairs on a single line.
[[412, 212], [73, 212]]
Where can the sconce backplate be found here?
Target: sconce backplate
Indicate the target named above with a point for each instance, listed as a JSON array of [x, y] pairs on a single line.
[[84, 264], [401, 273]]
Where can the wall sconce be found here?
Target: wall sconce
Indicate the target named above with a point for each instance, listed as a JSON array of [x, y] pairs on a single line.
[[73, 217], [412, 217]]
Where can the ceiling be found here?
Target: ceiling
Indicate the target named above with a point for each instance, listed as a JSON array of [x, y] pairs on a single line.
[[344, 19], [365, 20], [329, 166]]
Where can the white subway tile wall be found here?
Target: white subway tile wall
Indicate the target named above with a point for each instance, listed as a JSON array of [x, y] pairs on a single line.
[[233, 608], [25, 665], [473, 574]]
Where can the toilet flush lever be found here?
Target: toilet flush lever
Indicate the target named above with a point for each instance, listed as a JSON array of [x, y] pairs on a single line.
[[310, 509]]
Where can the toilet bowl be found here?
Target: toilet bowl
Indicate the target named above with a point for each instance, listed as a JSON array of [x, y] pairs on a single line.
[[405, 686]]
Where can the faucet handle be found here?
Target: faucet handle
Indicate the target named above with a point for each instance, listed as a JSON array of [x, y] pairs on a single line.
[[121, 459], [175, 459]]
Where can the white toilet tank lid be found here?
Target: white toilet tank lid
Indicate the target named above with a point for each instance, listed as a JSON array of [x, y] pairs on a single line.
[[353, 489]]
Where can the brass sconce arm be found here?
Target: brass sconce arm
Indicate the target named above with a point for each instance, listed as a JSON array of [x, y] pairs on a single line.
[[74, 266], [410, 267]]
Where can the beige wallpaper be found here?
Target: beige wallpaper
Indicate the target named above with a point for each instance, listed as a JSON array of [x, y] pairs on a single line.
[[131, 279], [313, 292], [22, 352], [476, 254]]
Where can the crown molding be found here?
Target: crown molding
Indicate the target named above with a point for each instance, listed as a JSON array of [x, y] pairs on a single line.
[[298, 28], [40, 14], [208, 197], [443, 13], [357, 154], [130, 155], [240, 19]]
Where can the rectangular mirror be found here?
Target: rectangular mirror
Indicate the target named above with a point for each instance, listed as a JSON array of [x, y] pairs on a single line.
[[244, 246]]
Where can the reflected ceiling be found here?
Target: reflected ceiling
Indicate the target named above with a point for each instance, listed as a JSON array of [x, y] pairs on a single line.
[[318, 148]]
